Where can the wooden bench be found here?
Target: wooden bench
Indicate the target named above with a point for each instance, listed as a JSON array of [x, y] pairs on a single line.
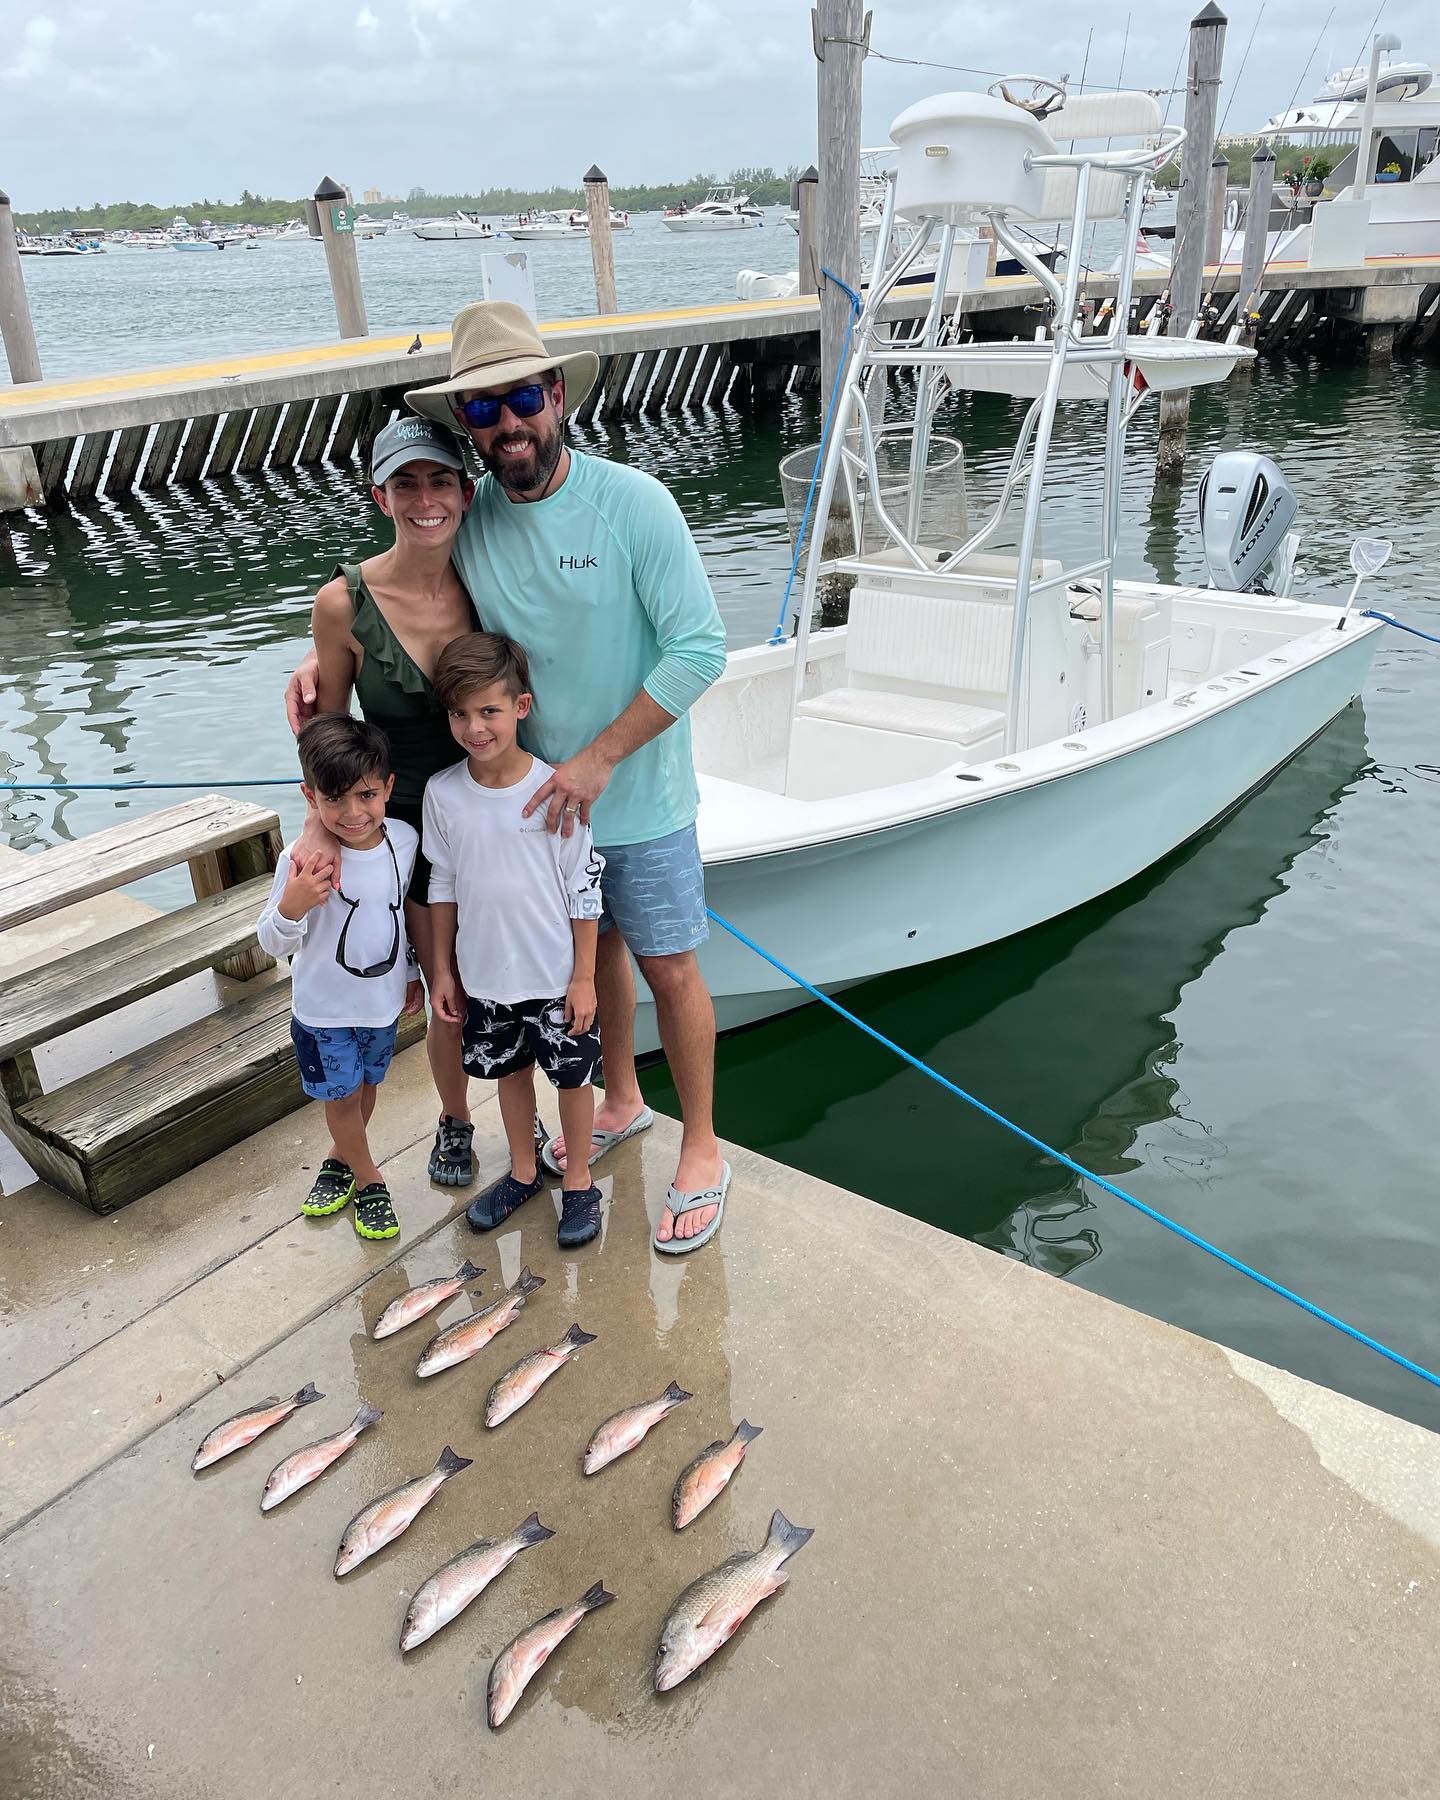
[[160, 1109]]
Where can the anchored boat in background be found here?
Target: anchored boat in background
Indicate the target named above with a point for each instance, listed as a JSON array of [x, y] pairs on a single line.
[[724, 208], [995, 737]]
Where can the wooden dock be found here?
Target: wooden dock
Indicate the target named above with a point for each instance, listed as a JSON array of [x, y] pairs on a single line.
[[153, 429]]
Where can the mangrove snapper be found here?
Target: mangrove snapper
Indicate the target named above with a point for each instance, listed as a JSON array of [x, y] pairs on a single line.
[[525, 1379], [460, 1341], [304, 1466], [708, 1474], [417, 1301], [712, 1609], [464, 1578], [625, 1430], [523, 1656], [235, 1433], [383, 1520]]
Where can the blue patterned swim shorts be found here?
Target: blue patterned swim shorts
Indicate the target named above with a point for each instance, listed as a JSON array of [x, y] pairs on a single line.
[[335, 1059], [654, 894]]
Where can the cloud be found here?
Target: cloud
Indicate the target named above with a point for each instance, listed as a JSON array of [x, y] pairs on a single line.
[[268, 95]]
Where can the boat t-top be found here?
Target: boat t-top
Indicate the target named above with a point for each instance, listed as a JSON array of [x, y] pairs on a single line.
[[724, 208], [460, 226], [1000, 731]]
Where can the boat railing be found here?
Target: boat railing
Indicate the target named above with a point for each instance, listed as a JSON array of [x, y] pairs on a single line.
[[853, 436]]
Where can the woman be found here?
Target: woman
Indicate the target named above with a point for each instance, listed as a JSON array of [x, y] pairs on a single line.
[[378, 627]]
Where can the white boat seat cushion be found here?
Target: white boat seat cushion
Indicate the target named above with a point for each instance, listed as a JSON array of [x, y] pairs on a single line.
[[911, 714], [939, 640]]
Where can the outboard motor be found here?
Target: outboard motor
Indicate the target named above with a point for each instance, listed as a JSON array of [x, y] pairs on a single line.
[[1246, 510]]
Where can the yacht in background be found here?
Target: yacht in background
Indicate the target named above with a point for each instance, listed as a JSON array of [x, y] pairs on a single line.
[[724, 208], [460, 226]]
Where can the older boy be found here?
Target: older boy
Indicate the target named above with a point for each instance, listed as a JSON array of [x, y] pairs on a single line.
[[518, 908]]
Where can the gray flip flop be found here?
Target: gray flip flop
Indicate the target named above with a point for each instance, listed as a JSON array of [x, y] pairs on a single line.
[[602, 1141], [683, 1203]]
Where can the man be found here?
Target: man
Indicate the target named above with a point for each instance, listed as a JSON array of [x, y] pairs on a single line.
[[590, 566]]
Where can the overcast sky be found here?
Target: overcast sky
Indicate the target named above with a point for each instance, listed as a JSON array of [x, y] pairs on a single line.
[[159, 100]]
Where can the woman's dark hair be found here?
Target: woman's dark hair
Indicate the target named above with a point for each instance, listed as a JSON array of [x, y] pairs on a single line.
[[337, 750], [479, 660]]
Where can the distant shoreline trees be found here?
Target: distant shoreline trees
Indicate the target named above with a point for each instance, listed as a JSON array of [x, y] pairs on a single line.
[[764, 185]]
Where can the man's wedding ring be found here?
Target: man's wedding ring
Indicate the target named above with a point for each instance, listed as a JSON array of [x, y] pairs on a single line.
[[572, 809]]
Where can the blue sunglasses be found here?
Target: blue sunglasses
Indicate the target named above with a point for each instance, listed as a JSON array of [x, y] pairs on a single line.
[[484, 410]]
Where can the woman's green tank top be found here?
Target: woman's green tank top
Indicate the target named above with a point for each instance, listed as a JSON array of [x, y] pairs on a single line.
[[395, 695]]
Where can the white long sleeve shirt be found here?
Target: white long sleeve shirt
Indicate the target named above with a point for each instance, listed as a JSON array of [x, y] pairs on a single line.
[[326, 986], [515, 884]]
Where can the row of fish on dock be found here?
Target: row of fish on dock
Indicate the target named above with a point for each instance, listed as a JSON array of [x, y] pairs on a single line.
[[705, 1615]]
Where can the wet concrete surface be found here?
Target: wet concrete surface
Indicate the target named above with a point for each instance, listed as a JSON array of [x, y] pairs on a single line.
[[1060, 1548]]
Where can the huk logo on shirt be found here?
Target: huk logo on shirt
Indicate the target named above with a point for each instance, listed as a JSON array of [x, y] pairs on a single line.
[[578, 562]]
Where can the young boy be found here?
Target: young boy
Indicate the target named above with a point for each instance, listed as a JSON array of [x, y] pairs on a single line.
[[519, 908], [352, 972]]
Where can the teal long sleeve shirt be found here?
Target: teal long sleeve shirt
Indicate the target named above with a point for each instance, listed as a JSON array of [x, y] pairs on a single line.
[[603, 587]]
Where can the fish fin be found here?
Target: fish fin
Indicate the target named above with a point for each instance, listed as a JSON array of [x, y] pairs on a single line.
[[675, 1394], [308, 1393], [527, 1283], [788, 1537], [367, 1415], [532, 1531], [467, 1271], [746, 1432], [451, 1464], [593, 1597], [574, 1338]]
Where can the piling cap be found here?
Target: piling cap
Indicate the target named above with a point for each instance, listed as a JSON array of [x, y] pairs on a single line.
[[329, 190], [1210, 14], [594, 173], [4, 198]]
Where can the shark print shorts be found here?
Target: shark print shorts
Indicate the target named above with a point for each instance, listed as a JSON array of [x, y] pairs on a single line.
[[498, 1040]]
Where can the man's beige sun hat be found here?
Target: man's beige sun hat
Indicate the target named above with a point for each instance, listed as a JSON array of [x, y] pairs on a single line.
[[494, 343]]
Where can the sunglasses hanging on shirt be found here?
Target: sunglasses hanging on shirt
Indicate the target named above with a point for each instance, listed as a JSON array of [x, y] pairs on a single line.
[[384, 967]]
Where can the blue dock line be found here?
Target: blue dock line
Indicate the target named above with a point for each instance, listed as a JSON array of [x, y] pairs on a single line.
[[1400, 625], [1159, 1218], [778, 635], [125, 787]]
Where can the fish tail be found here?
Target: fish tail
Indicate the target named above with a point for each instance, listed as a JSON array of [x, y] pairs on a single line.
[[574, 1338], [593, 1597], [532, 1531], [787, 1537], [675, 1394], [368, 1415], [308, 1393], [527, 1283], [450, 1463], [467, 1271], [746, 1432]]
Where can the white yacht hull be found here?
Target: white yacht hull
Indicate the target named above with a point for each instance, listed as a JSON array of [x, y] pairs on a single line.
[[711, 222], [982, 868]]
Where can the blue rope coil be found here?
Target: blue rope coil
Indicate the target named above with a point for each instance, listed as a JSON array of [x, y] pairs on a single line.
[[1067, 1162]]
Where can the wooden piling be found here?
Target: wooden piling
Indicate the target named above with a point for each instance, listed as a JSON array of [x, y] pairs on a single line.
[[164, 448], [602, 244], [660, 387], [1257, 226], [337, 232], [229, 443], [806, 198], [198, 440], [1215, 208], [129, 447], [352, 417], [16, 329], [840, 31], [684, 375], [317, 432], [292, 431], [1202, 99], [258, 438], [640, 386]]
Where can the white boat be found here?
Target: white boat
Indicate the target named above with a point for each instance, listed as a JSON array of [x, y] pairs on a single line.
[[995, 737], [142, 240], [724, 208], [459, 227], [541, 226], [1399, 207], [295, 232]]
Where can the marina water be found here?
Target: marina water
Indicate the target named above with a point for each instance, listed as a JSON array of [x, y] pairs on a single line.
[[1243, 1037]]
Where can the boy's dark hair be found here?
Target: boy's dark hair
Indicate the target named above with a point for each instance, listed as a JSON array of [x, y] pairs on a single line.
[[337, 750], [479, 660]]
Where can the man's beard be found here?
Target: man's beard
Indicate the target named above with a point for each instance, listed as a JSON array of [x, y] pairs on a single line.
[[534, 471]]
